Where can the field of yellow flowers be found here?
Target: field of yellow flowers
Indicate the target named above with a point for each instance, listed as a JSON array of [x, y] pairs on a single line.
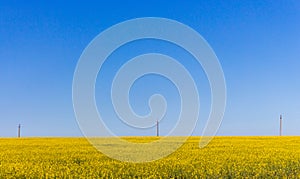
[[224, 157]]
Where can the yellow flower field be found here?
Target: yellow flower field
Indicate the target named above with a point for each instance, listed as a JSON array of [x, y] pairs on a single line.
[[224, 157]]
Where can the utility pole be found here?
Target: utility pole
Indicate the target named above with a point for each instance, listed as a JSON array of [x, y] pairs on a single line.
[[19, 131], [280, 130], [157, 128]]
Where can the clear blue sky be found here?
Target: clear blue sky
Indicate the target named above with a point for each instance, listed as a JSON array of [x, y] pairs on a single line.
[[257, 43]]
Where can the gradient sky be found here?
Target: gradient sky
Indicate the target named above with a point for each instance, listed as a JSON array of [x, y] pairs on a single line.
[[257, 43]]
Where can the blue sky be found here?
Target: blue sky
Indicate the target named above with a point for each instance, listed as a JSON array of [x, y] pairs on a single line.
[[257, 43]]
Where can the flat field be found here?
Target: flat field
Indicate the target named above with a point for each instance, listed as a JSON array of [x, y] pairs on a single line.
[[224, 157]]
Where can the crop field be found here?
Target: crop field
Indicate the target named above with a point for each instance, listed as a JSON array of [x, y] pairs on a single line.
[[224, 157]]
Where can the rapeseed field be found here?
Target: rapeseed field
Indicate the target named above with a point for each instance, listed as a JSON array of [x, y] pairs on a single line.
[[224, 157]]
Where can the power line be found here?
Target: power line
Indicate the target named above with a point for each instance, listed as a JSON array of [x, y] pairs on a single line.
[[19, 131], [280, 128], [157, 128]]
